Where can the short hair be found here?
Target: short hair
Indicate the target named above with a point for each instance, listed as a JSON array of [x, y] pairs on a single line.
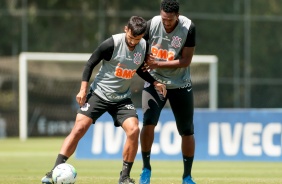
[[137, 25], [170, 6]]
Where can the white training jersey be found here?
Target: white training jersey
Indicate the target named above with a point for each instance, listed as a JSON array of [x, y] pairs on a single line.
[[112, 83], [166, 47]]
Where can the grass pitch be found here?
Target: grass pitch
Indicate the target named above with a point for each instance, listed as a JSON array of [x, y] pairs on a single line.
[[27, 162]]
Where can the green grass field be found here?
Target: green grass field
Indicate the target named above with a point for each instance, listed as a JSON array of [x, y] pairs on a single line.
[[26, 163]]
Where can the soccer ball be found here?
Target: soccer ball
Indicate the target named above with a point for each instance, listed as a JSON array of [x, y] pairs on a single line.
[[64, 174]]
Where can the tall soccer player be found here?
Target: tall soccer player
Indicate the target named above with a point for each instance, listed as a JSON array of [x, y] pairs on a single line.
[[122, 55], [172, 42]]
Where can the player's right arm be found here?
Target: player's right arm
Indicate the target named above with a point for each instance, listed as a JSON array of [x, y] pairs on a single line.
[[103, 52], [145, 75], [81, 95]]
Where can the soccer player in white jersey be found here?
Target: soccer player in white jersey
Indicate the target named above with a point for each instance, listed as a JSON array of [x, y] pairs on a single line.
[[122, 56], [171, 40]]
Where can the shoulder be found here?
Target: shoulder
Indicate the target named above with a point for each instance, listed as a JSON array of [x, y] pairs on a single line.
[[109, 41], [107, 44], [155, 23], [156, 19], [142, 43], [118, 38], [184, 21], [192, 27]]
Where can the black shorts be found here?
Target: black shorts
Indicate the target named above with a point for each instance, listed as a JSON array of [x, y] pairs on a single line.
[[96, 106], [181, 102]]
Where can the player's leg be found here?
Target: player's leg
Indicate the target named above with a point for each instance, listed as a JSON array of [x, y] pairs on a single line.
[[81, 125], [130, 126], [84, 118], [125, 115], [181, 102], [152, 104]]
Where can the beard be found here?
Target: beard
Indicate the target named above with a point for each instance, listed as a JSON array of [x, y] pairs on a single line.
[[130, 46]]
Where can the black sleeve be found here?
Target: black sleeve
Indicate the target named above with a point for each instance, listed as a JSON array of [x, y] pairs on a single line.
[[145, 75], [146, 35], [191, 36], [103, 51], [147, 48]]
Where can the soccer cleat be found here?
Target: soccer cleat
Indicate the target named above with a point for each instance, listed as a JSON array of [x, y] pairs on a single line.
[[145, 176], [126, 181], [188, 180], [47, 179]]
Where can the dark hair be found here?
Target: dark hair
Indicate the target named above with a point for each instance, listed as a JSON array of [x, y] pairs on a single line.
[[170, 6], [137, 25]]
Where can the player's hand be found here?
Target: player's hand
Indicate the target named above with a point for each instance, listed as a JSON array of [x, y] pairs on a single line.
[[150, 63], [161, 88], [81, 98]]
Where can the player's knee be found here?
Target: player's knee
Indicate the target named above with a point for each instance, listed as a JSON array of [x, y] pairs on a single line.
[[133, 132], [149, 121], [136, 131], [77, 132], [187, 132]]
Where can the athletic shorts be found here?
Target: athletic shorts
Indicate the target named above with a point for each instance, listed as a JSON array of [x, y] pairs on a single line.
[[181, 102], [96, 106]]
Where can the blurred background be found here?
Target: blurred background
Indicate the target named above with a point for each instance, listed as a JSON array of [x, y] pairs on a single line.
[[245, 35]]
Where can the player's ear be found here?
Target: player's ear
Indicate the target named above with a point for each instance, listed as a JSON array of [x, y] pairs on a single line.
[[125, 29], [177, 15]]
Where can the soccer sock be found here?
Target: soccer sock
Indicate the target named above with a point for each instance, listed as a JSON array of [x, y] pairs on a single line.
[[146, 159], [60, 159], [126, 168], [187, 161]]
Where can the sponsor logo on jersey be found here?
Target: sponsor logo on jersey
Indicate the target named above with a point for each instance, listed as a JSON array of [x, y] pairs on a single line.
[[117, 97], [154, 37], [162, 53], [160, 80], [128, 58], [130, 106], [186, 85], [124, 73], [163, 38]]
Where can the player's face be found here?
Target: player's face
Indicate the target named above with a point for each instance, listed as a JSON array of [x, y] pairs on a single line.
[[131, 40], [169, 20]]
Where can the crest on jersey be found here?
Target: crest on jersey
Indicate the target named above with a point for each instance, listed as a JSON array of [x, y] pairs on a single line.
[[176, 41], [137, 58]]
